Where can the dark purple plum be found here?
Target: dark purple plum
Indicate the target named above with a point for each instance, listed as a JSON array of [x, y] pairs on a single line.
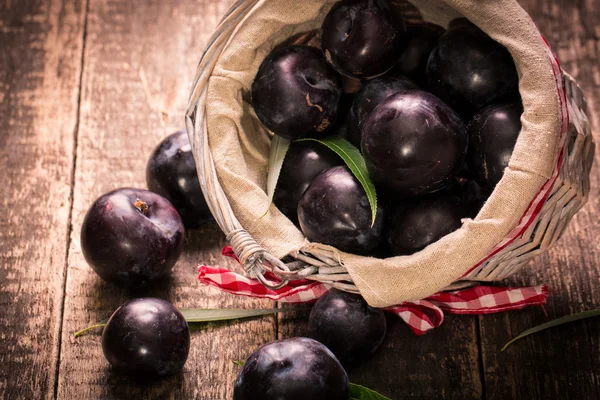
[[171, 172], [420, 40], [296, 93], [459, 22], [146, 338], [413, 143], [302, 163], [347, 325], [416, 224], [473, 196], [131, 237], [469, 70], [369, 97], [335, 210], [493, 133], [362, 38], [292, 369]]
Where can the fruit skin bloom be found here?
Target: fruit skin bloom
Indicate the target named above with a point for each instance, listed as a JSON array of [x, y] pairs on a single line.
[[292, 369], [146, 338]]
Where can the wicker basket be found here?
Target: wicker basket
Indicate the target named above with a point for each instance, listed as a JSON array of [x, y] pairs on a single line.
[[568, 192]]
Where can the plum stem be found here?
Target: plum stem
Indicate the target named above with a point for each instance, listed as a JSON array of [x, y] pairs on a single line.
[[142, 206]]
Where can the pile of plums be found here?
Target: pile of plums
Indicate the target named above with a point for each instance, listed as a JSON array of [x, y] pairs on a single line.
[[435, 114], [133, 237]]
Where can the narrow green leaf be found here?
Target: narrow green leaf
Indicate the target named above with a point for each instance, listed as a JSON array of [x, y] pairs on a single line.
[[355, 161], [207, 315], [196, 315], [553, 323], [239, 363], [358, 392], [277, 152]]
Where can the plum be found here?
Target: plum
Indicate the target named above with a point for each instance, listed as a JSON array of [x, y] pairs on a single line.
[[146, 338], [131, 237], [171, 172], [369, 97], [473, 196], [469, 70], [347, 325], [292, 369], [416, 224], [296, 93], [362, 38], [493, 133], [302, 163], [413, 143], [335, 210], [420, 40]]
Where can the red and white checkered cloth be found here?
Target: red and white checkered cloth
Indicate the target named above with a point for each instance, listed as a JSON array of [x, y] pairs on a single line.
[[421, 316]]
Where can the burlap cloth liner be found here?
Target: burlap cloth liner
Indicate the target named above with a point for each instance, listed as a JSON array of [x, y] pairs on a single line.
[[240, 145]]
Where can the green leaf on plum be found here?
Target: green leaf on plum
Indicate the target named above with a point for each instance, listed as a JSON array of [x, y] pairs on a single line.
[[199, 315], [553, 323], [358, 392], [277, 152], [356, 163]]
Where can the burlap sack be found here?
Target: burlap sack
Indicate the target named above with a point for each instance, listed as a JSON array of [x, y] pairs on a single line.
[[240, 145]]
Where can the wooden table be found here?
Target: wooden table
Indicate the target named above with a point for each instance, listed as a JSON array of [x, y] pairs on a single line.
[[89, 87]]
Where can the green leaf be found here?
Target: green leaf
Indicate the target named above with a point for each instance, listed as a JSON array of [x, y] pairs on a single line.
[[553, 323], [277, 152], [355, 161], [197, 315], [239, 363], [358, 392]]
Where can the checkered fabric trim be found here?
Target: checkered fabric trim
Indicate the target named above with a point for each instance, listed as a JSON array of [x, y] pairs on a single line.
[[421, 316]]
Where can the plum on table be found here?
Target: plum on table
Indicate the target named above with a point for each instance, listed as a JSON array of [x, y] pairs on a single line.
[[347, 325], [171, 172], [292, 369], [131, 237], [146, 338]]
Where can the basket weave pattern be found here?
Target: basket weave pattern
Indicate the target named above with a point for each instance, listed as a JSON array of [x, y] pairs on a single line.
[[568, 194]]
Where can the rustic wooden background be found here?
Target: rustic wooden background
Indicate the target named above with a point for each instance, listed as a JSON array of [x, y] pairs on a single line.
[[89, 87]]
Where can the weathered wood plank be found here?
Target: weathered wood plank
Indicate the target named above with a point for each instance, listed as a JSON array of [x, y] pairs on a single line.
[[443, 363], [40, 64], [563, 363], [140, 58]]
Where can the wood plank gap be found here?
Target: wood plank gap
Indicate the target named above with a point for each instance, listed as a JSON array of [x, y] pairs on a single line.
[[480, 356], [71, 202]]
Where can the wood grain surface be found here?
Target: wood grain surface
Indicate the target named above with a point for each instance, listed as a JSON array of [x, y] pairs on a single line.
[[562, 363], [89, 87], [40, 63]]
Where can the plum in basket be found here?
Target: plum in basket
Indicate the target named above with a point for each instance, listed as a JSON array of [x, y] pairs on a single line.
[[335, 211], [296, 93], [416, 224], [493, 133], [413, 143], [469, 70], [302, 163], [362, 38]]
